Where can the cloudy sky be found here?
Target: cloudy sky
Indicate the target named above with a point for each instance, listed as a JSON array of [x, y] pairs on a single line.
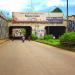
[[9, 6]]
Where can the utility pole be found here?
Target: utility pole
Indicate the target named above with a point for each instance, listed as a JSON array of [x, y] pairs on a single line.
[[48, 22], [67, 16], [31, 6], [32, 9]]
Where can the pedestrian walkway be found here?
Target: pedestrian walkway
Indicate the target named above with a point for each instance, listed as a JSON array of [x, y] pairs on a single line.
[[3, 40]]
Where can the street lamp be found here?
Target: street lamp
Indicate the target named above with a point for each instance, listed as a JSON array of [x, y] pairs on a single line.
[[67, 15], [32, 9], [31, 6], [48, 26]]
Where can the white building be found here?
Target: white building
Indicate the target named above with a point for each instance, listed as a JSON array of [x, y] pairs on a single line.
[[40, 23]]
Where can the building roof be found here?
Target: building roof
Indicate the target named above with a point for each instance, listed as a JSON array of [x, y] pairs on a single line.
[[72, 17]]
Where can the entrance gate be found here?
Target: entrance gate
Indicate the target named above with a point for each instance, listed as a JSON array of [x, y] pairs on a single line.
[[16, 32], [56, 31]]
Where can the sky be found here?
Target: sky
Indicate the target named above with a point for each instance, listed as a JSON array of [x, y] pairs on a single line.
[[9, 6]]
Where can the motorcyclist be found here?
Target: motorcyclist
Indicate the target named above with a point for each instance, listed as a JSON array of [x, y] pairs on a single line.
[[23, 38]]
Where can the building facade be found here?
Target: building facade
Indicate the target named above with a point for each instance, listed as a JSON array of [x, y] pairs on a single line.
[[71, 26], [3, 27], [38, 23]]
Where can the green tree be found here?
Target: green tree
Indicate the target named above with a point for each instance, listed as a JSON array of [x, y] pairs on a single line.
[[57, 10]]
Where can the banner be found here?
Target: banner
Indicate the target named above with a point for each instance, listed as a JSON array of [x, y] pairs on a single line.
[[38, 17]]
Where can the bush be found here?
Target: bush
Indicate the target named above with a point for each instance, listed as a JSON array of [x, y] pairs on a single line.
[[47, 37], [34, 37], [68, 39]]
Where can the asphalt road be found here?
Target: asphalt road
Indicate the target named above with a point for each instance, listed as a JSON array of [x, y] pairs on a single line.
[[32, 58]]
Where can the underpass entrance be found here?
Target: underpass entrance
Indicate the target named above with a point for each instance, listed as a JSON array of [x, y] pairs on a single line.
[[16, 32], [56, 31]]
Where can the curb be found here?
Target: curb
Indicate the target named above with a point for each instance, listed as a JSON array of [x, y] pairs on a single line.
[[69, 49], [3, 41]]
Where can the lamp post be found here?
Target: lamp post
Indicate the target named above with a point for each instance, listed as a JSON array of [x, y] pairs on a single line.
[[32, 9], [67, 16], [31, 6], [48, 26]]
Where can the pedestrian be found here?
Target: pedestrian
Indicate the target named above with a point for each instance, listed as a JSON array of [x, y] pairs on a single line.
[[29, 38], [23, 38]]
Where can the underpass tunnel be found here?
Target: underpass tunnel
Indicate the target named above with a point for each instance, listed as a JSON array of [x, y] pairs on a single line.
[[56, 31], [15, 32]]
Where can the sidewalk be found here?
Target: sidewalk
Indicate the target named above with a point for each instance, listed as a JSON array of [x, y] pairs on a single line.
[[3, 40]]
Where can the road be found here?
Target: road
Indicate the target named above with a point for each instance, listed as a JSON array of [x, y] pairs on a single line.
[[32, 58]]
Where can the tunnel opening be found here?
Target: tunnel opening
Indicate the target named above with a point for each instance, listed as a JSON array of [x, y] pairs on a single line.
[[16, 32], [56, 31]]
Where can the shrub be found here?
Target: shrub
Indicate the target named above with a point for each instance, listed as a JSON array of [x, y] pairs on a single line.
[[47, 37], [68, 39], [34, 37]]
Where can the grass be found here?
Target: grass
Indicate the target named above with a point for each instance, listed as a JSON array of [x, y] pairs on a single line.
[[54, 42]]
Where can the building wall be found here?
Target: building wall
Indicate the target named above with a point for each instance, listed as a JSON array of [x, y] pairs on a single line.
[[37, 27], [71, 26], [3, 27], [40, 20]]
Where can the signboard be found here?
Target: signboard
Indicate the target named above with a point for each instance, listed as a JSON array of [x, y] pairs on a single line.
[[55, 19], [26, 17], [37, 17]]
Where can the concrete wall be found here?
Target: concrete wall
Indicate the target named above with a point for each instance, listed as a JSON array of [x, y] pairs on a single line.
[[22, 19], [3, 27], [37, 28]]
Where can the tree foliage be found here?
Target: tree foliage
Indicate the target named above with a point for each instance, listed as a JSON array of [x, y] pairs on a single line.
[[57, 10]]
